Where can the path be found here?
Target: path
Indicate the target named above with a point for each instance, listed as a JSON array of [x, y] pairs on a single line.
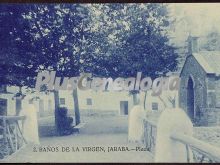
[[102, 132]]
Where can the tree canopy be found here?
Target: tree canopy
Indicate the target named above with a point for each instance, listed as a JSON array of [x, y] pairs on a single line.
[[105, 39]]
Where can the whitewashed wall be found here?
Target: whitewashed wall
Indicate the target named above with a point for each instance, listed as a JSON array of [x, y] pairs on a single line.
[[105, 101], [101, 101]]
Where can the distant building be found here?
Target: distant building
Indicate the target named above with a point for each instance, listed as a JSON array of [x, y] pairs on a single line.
[[91, 101], [199, 93], [118, 103], [44, 103]]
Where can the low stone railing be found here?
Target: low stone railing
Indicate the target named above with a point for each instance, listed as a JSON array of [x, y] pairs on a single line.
[[184, 146], [150, 131], [202, 152], [11, 136]]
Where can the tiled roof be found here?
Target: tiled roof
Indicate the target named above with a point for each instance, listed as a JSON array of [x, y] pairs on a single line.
[[209, 60]]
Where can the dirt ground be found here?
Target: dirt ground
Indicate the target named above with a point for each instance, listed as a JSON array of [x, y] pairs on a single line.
[[102, 132]]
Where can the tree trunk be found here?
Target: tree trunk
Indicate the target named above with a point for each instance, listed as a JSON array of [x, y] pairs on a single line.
[[3, 88], [135, 99], [18, 106], [56, 102], [145, 97], [18, 102], [76, 106]]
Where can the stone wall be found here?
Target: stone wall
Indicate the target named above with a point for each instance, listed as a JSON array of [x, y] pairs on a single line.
[[217, 91], [195, 71], [206, 93], [212, 112]]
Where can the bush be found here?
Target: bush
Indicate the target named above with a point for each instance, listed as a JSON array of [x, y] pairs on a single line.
[[64, 122]]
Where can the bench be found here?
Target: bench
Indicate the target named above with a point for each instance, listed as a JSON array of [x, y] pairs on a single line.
[[79, 126]]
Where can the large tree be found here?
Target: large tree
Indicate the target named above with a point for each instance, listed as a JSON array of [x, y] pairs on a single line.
[[211, 42], [134, 38], [61, 37], [116, 40], [18, 64], [42, 37]]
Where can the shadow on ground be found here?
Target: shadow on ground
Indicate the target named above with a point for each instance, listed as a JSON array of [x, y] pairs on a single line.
[[95, 124]]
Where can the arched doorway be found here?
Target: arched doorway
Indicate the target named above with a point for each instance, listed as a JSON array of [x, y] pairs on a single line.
[[190, 98]]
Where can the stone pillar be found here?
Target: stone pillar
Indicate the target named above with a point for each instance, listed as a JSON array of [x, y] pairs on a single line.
[[172, 121], [135, 124], [30, 125]]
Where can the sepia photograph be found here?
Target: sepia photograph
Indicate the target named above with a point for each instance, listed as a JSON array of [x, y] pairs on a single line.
[[109, 82]]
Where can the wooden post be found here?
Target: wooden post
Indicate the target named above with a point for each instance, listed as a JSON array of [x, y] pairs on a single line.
[[151, 138], [5, 135], [21, 132], [10, 139], [16, 136], [187, 153]]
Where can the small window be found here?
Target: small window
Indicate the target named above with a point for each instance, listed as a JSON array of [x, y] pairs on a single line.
[[62, 101], [89, 101], [155, 106]]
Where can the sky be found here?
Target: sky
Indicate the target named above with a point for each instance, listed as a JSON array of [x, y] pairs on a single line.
[[195, 18]]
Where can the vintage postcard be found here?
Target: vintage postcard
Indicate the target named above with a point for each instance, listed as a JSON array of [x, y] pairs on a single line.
[[109, 82]]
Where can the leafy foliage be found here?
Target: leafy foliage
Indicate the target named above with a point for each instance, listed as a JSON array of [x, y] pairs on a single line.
[[212, 42], [132, 38]]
